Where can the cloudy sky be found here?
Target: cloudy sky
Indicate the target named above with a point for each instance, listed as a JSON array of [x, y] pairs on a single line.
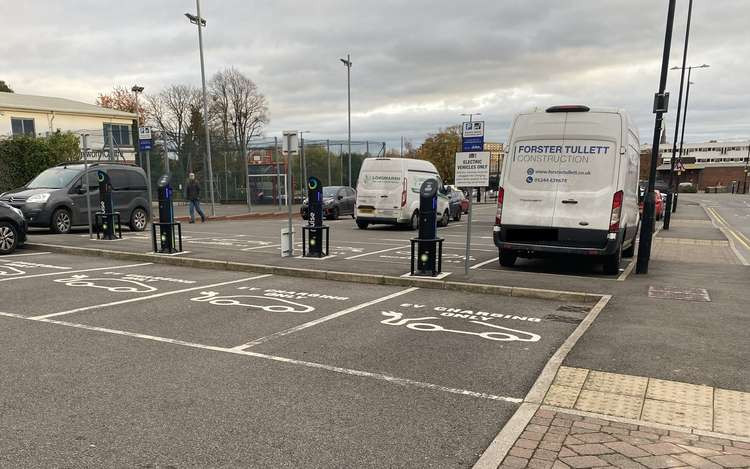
[[418, 64]]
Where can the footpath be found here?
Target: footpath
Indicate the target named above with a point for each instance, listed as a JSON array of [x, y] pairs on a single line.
[[660, 379]]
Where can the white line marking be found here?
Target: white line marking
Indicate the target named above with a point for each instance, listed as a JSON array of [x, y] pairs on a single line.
[[290, 361], [148, 297], [22, 255], [77, 271], [261, 247], [376, 252], [436, 277], [481, 264], [166, 254], [323, 319]]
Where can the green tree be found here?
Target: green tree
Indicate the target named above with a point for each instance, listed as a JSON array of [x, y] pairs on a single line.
[[22, 157], [440, 149], [5, 87]]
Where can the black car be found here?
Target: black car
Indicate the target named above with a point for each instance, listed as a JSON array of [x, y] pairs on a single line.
[[57, 198], [337, 200], [12, 228]]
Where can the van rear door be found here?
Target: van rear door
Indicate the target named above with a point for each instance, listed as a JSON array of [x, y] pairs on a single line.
[[588, 171], [530, 190], [380, 188]]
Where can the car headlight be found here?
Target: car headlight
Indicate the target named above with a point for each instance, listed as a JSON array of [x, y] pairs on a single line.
[[327, 201], [38, 198], [17, 211]]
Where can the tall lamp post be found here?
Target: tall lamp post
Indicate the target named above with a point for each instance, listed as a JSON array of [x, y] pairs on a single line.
[[661, 101], [136, 91], [747, 167], [201, 23], [682, 137], [302, 161], [348, 62]]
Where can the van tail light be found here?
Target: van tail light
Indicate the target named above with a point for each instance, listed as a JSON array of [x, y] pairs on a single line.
[[614, 219], [500, 197], [403, 194]]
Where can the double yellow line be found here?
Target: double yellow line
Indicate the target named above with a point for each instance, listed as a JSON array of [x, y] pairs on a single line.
[[737, 234]]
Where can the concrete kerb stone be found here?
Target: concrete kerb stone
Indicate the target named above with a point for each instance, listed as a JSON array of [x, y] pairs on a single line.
[[500, 290]]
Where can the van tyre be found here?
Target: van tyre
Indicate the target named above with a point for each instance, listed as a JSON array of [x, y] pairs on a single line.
[[507, 258], [8, 237], [445, 218], [138, 219], [61, 221], [362, 225], [414, 222], [612, 262]]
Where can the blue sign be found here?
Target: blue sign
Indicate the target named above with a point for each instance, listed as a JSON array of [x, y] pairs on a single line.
[[145, 144], [472, 144]]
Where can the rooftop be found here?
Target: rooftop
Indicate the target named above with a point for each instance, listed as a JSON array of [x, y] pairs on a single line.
[[29, 102]]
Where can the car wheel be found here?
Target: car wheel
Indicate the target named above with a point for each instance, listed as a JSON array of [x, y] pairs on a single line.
[[61, 222], [138, 220], [445, 218], [362, 225], [414, 222], [507, 257], [335, 214], [8, 237]]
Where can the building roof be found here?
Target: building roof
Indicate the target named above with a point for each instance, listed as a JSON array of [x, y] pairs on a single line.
[[29, 102]]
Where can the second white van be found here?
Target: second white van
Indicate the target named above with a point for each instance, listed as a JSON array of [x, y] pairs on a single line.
[[569, 184], [388, 192]]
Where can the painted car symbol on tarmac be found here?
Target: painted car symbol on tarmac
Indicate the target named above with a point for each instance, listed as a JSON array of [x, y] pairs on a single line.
[[114, 285], [6, 270], [281, 306], [396, 319]]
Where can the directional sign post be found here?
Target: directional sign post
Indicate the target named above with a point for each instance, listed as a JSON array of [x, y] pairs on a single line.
[[472, 170], [144, 143]]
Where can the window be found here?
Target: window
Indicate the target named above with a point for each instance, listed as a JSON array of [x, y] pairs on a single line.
[[22, 126], [120, 135], [118, 178]]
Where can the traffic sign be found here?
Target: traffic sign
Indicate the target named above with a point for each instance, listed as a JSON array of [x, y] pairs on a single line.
[[290, 142], [144, 133], [472, 144], [144, 145], [473, 129], [472, 169]]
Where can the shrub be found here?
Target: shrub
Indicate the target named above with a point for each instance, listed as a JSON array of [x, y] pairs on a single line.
[[22, 157]]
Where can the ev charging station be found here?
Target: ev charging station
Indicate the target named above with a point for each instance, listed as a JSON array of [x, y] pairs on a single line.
[[314, 232], [429, 248], [166, 224], [105, 217]]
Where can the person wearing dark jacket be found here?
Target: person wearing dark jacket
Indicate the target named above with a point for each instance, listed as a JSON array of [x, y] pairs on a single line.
[[193, 193]]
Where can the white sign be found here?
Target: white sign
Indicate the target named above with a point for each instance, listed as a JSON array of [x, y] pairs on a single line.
[[472, 169], [473, 129], [144, 133], [289, 141]]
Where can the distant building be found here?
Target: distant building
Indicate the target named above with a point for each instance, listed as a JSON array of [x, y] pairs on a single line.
[[42, 115], [497, 153], [708, 164]]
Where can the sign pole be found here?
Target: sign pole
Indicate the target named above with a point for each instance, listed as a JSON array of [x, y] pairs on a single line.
[[289, 190], [468, 240], [472, 170]]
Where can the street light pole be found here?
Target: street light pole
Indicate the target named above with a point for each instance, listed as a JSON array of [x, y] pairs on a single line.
[[747, 163], [682, 140], [136, 90], [348, 63], [200, 22], [660, 107]]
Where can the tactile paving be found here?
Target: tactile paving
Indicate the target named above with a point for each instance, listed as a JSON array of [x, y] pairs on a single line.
[[561, 396], [572, 377], [734, 401], [675, 413], [733, 423], [672, 293], [672, 391], [610, 404], [616, 383]]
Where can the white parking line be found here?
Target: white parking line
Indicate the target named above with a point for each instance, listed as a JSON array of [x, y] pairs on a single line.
[[289, 361], [22, 255], [323, 319], [148, 297], [376, 252], [476, 266], [76, 271]]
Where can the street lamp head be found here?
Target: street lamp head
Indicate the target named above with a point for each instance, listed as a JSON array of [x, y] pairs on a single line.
[[136, 89], [348, 63], [704, 66], [194, 19], [676, 68]]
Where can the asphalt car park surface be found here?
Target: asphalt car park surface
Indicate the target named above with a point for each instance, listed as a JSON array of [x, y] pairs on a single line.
[[138, 364]]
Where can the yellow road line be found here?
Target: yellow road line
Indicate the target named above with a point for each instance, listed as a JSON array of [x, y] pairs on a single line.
[[739, 236]]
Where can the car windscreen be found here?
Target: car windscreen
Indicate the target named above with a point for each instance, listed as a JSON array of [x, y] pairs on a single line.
[[330, 191], [53, 178]]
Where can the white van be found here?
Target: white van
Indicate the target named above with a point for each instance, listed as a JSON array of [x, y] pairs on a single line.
[[388, 192], [569, 184]]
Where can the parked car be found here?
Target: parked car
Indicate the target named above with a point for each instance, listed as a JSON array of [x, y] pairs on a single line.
[[337, 200], [569, 186], [688, 188], [388, 192], [12, 228], [454, 203], [660, 202], [56, 198]]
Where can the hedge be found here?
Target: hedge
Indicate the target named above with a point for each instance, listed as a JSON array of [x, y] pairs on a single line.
[[22, 157]]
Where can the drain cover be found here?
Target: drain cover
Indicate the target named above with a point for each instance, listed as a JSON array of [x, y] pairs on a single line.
[[673, 293], [561, 318], [574, 308]]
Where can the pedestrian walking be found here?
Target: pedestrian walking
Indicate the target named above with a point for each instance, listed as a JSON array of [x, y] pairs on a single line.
[[193, 193]]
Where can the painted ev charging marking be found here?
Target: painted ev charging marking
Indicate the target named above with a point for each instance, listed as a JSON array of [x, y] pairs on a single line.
[[503, 334], [14, 267], [116, 285], [286, 306]]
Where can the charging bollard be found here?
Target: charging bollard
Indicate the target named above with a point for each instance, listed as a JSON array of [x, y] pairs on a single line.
[[105, 217], [166, 224], [429, 250], [314, 233]]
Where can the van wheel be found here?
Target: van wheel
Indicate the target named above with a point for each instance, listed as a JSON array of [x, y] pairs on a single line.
[[507, 258], [8, 237], [138, 220], [61, 221], [446, 217], [362, 225], [414, 222], [612, 262]]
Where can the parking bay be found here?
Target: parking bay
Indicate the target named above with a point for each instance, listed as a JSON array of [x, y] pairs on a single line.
[[408, 347]]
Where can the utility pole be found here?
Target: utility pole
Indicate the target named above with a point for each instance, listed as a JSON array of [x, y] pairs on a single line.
[[328, 153], [87, 179], [747, 163], [348, 63], [661, 101], [200, 22]]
